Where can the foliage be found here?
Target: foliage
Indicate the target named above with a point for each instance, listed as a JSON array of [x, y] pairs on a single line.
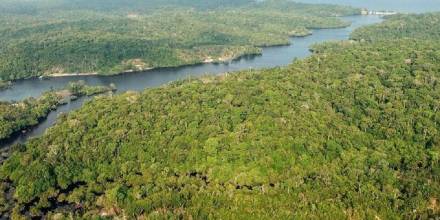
[[350, 132], [61, 38]]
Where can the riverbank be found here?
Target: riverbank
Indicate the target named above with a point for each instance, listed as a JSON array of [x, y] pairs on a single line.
[[107, 42], [70, 74], [269, 56], [255, 50], [207, 60]]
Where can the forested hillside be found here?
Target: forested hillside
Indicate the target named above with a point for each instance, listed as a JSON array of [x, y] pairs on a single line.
[[79, 37], [350, 132]]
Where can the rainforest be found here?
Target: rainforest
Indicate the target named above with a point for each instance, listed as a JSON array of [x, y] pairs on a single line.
[[351, 132]]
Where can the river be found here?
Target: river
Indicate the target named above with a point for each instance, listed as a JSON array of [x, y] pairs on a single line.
[[271, 57]]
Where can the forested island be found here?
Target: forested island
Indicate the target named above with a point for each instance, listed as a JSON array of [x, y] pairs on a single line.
[[63, 37], [350, 132], [18, 116]]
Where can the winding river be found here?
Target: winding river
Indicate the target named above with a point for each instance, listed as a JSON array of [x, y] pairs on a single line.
[[271, 57]]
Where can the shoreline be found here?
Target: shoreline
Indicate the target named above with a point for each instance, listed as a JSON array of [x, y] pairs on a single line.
[[69, 74], [211, 61], [291, 40], [201, 62]]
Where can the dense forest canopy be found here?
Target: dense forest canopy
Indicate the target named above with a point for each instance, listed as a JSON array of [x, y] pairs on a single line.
[[58, 38], [350, 132]]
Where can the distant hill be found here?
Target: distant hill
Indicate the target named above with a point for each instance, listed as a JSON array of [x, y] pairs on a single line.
[[34, 6]]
